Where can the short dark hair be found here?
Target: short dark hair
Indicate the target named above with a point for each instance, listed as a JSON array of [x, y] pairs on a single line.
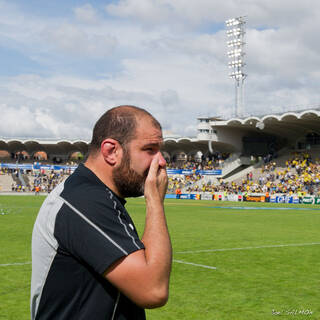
[[118, 123]]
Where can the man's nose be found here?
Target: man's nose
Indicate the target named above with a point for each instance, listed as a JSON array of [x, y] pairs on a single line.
[[162, 160]]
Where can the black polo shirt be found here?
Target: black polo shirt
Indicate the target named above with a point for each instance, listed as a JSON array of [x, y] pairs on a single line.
[[81, 229]]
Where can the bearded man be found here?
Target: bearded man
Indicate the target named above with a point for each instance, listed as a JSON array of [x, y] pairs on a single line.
[[87, 259]]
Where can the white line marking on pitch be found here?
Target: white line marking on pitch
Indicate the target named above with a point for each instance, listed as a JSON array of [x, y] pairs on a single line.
[[194, 264], [14, 264], [249, 248]]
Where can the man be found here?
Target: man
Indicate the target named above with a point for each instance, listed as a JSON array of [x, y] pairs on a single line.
[[87, 259]]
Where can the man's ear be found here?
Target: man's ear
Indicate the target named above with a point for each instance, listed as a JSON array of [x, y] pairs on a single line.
[[110, 150]]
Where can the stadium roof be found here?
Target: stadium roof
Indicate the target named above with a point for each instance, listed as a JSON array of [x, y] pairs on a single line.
[[66, 146], [288, 125], [288, 128]]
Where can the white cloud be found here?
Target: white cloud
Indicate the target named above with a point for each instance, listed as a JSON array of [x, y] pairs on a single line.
[[74, 40], [86, 14], [166, 55], [151, 11], [265, 13], [169, 98]]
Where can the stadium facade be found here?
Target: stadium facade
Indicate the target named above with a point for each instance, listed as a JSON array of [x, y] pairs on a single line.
[[261, 135], [255, 136]]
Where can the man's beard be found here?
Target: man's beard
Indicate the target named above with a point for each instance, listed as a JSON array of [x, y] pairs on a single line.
[[128, 182]]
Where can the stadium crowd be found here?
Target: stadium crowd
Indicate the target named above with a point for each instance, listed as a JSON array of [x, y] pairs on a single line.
[[300, 175], [211, 162], [46, 182], [34, 181]]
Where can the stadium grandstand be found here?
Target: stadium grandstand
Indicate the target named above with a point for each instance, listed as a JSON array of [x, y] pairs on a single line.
[[273, 157]]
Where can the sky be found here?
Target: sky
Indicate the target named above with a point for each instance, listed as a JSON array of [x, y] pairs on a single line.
[[64, 63]]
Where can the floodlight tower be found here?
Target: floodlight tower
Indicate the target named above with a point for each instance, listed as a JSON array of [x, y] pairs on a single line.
[[235, 34]]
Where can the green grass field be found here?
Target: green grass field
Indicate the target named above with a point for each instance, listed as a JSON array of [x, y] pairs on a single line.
[[267, 260]]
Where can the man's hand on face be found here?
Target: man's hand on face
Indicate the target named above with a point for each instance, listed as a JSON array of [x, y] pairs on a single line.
[[157, 181]]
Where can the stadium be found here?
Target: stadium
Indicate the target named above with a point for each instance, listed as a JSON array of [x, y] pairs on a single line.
[[269, 158]]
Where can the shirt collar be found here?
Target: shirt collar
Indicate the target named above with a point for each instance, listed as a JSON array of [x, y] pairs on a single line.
[[91, 175]]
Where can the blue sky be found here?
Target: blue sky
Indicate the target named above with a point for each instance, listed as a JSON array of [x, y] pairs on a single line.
[[63, 63]]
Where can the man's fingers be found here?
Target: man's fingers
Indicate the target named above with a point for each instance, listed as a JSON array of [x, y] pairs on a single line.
[[154, 166]]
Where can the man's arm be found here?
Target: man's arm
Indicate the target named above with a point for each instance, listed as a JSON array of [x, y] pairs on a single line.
[[143, 276]]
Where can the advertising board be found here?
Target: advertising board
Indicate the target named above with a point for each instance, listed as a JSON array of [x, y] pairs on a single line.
[[206, 196]]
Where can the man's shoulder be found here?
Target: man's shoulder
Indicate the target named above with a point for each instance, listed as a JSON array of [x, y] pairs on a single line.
[[83, 188], [83, 178], [79, 186]]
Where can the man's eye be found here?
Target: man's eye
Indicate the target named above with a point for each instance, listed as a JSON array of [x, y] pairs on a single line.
[[150, 150]]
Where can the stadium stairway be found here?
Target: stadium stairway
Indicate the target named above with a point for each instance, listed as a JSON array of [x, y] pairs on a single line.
[[26, 179], [230, 167], [280, 161], [5, 182], [283, 155], [238, 176], [15, 178], [234, 164], [21, 178]]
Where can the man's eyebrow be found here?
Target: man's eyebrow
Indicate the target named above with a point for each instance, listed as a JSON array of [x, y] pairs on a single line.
[[153, 144]]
